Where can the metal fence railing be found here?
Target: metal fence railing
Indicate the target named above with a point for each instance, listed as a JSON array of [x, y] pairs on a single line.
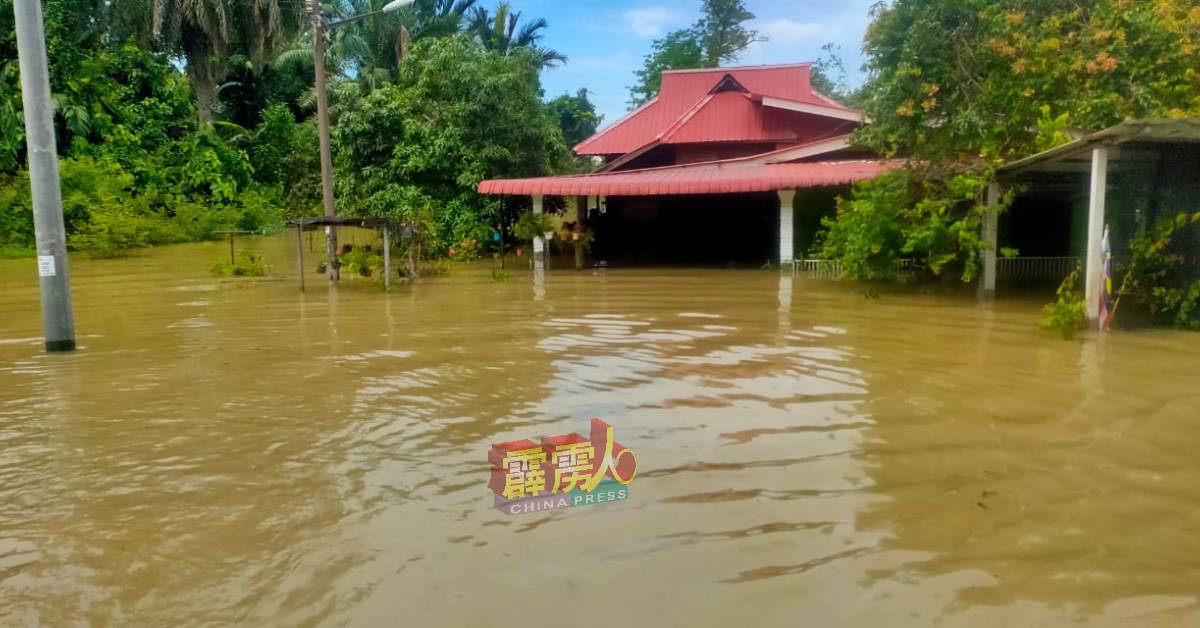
[[1006, 268], [1035, 267], [819, 268]]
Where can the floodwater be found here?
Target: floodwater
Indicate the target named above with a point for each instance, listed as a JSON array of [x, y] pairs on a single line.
[[233, 452]]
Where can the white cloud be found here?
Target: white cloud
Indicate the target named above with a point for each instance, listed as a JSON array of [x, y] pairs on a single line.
[[789, 41], [785, 30], [650, 21]]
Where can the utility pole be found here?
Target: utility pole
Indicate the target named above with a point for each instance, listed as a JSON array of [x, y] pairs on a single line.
[[323, 131], [57, 320]]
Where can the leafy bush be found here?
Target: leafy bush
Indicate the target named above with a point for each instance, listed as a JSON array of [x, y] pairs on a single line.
[[908, 215], [361, 261], [1068, 314], [1159, 278], [247, 265], [531, 225]]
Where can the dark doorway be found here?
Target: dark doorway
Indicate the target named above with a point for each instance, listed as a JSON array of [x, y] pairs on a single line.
[[717, 230]]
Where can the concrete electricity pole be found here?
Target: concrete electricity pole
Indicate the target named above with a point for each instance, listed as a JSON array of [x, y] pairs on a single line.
[[320, 27], [331, 259], [57, 319]]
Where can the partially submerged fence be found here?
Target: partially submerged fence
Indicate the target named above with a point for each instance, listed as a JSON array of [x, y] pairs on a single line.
[[1006, 268], [1035, 267]]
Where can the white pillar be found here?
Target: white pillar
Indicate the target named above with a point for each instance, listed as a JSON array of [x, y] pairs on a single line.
[[1095, 232], [988, 233], [539, 242], [786, 234], [387, 258]]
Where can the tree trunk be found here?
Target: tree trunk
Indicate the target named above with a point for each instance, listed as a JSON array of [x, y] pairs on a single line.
[[204, 81]]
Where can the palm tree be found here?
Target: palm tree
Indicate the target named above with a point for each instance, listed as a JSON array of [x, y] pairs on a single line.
[[205, 33], [368, 53], [500, 32]]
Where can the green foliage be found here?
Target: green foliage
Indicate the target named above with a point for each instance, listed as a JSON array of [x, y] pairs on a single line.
[[458, 115], [723, 32], [932, 223], [1158, 279], [576, 116], [136, 85], [247, 265], [503, 33], [361, 261], [500, 275], [719, 36], [531, 225], [1068, 314], [981, 83], [970, 78]]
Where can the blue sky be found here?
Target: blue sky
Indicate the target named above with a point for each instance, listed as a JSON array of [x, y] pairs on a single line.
[[607, 39]]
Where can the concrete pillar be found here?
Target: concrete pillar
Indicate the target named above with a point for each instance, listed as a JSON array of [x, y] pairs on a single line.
[[988, 233], [787, 199], [580, 219], [1094, 267], [539, 241]]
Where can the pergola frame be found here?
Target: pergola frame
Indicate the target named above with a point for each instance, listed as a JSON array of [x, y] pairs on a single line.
[[384, 225]]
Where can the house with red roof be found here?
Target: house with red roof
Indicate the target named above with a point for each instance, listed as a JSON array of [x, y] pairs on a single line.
[[725, 165]]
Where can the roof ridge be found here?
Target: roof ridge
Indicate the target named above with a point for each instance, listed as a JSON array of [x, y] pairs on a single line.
[[777, 66]]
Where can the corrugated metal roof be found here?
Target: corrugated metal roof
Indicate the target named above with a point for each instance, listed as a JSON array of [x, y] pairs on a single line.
[[683, 93], [707, 179]]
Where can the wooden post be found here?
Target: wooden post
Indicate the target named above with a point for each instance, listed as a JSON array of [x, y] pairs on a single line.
[[787, 245], [539, 241], [989, 234], [300, 253], [412, 264], [232, 259], [387, 259], [1095, 230]]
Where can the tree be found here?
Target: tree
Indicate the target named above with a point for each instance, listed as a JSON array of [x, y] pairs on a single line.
[[576, 116], [500, 32], [678, 50], [830, 76], [963, 86], [953, 78], [723, 32], [459, 113], [717, 37], [206, 32]]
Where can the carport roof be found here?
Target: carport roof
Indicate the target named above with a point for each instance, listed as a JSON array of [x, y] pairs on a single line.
[[711, 178], [1076, 156]]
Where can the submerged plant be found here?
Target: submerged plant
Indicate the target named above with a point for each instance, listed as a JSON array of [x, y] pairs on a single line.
[[1157, 278], [248, 265], [1068, 314]]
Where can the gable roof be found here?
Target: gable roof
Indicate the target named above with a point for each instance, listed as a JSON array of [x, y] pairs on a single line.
[[739, 94]]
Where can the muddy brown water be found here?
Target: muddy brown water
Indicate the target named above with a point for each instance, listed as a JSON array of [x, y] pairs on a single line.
[[226, 452]]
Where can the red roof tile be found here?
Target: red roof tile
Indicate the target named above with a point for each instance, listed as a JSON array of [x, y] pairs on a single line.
[[712, 178], [686, 96]]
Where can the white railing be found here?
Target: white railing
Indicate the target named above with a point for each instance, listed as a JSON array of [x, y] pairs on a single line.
[[1035, 267], [1006, 268], [819, 268]]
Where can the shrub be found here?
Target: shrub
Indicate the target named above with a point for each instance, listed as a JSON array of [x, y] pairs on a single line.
[[1068, 314], [247, 265]]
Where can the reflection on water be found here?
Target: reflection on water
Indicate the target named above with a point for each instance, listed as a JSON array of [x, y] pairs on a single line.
[[238, 452]]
